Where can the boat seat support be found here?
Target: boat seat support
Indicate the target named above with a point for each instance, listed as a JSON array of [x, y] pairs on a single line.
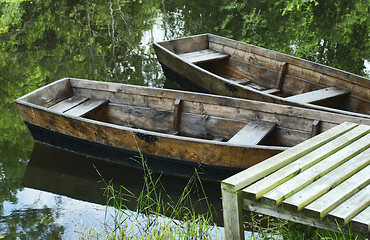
[[252, 133], [282, 73], [177, 115], [315, 128]]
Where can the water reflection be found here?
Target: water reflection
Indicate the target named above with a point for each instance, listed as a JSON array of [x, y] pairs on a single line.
[[79, 177]]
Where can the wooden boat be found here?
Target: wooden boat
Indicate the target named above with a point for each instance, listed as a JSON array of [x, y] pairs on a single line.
[[213, 64], [176, 131]]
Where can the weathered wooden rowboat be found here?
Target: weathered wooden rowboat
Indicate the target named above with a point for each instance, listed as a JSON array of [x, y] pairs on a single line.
[[176, 131], [213, 64]]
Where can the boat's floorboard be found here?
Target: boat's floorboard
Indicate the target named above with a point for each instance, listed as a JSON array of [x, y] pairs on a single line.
[[203, 56], [319, 95], [252, 133]]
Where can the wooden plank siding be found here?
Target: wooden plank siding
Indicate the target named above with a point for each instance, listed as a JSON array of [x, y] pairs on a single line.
[[188, 44], [320, 182], [273, 60], [304, 73], [50, 94]]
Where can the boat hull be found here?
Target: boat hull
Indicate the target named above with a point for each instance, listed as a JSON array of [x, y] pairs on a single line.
[[131, 158], [255, 73], [213, 133]]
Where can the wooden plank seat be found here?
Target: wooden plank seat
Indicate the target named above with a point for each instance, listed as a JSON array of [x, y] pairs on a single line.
[[86, 107], [252, 133], [319, 95], [203, 56], [68, 103]]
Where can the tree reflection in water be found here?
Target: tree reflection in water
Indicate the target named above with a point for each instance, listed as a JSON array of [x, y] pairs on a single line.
[[42, 41]]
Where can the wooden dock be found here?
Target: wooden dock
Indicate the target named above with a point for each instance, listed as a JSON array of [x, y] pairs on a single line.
[[322, 182]]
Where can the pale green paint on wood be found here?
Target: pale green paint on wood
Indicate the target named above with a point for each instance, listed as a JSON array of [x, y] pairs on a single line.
[[287, 189], [327, 182], [327, 202], [354, 205], [256, 190]]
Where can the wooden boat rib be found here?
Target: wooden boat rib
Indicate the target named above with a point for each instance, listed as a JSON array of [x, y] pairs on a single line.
[[214, 64], [176, 131]]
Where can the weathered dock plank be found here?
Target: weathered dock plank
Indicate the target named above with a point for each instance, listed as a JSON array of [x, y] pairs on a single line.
[[352, 206], [327, 202], [288, 188], [255, 191], [361, 222], [329, 181]]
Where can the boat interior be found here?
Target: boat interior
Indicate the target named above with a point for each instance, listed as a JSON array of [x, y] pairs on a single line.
[[242, 73], [168, 121], [183, 117]]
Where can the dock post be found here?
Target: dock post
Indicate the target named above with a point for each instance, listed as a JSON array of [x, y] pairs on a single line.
[[232, 212]]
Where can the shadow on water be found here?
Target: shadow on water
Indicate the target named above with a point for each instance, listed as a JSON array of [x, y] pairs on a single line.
[[80, 177]]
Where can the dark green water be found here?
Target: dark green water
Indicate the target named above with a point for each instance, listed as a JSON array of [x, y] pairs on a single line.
[[42, 41]]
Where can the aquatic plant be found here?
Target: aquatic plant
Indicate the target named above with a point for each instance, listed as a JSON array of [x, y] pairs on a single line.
[[157, 215]]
